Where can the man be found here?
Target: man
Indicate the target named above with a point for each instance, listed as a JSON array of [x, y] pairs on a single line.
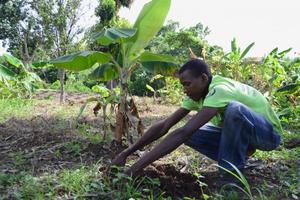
[[243, 121]]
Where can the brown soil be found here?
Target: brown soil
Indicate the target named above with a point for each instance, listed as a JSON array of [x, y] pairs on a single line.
[[292, 143], [42, 142], [173, 182], [43, 146]]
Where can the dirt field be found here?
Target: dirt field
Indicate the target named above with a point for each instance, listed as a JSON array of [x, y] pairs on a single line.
[[44, 142]]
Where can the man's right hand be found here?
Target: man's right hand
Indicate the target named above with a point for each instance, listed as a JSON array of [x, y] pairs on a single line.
[[120, 159]]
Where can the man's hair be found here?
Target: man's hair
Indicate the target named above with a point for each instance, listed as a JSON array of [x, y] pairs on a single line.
[[196, 67]]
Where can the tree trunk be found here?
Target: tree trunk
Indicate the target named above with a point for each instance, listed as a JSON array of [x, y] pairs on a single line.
[[61, 75]]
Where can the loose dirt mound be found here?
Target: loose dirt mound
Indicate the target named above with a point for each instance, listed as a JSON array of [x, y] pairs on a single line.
[[173, 182]]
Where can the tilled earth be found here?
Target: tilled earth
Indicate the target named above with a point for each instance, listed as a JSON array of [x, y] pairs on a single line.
[[39, 145]]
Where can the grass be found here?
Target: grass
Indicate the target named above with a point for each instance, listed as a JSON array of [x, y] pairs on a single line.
[[18, 108], [81, 183], [88, 182], [282, 153], [84, 130]]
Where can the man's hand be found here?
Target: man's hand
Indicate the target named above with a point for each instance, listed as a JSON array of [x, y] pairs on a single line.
[[120, 159], [173, 140]]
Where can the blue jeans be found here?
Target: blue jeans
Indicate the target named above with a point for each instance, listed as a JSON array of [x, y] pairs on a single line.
[[242, 128]]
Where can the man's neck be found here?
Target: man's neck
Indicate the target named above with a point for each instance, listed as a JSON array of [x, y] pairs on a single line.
[[205, 93]]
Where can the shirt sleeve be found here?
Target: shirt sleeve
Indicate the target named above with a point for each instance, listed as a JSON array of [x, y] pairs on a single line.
[[218, 97], [190, 104]]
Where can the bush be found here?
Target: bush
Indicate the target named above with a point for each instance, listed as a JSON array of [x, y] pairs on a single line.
[[139, 80]]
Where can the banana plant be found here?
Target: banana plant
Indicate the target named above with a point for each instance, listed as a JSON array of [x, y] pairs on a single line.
[[130, 56], [107, 97], [274, 69], [15, 79], [162, 91], [233, 62]]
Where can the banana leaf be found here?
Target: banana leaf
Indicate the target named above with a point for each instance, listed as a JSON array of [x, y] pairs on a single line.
[[81, 60], [158, 64], [12, 60], [113, 35], [6, 74], [148, 23], [105, 72], [291, 88], [247, 50]]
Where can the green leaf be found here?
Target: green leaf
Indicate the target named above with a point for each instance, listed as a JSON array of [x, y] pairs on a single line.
[[233, 46], [247, 50], [41, 64], [2, 60], [158, 64], [82, 108], [102, 90], [12, 60], [81, 60], [291, 88], [148, 23], [284, 52], [284, 112], [6, 74], [113, 35], [295, 62], [105, 72], [156, 77], [274, 51], [150, 88]]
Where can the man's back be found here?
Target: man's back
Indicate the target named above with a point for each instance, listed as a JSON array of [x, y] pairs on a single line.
[[223, 90]]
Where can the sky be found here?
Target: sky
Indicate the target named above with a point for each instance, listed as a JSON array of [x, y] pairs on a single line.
[[268, 23]]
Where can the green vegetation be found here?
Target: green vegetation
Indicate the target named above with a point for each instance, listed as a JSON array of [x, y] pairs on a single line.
[[50, 150]]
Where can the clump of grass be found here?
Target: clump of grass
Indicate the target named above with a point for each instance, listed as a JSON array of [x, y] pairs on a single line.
[[17, 159], [15, 107], [245, 186], [121, 186]]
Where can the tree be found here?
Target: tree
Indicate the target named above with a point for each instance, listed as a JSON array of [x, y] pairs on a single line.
[[176, 41], [131, 55], [107, 10], [20, 29], [30, 26], [60, 20]]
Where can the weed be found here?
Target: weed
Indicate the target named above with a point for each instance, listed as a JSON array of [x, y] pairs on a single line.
[[30, 188], [14, 108], [77, 182], [246, 189], [17, 159], [201, 184], [74, 147]]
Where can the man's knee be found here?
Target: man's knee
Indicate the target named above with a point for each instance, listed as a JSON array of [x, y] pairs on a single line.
[[234, 109]]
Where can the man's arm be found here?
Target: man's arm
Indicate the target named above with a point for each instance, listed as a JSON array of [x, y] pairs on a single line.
[[174, 139], [153, 133]]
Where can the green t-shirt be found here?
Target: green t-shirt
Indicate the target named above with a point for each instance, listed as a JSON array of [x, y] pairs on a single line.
[[222, 91]]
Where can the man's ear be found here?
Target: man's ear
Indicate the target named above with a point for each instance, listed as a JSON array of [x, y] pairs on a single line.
[[204, 77]]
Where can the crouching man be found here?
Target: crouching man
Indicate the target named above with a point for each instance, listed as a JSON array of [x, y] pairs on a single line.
[[242, 121]]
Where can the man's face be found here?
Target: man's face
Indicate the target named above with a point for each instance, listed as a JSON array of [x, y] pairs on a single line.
[[194, 87]]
